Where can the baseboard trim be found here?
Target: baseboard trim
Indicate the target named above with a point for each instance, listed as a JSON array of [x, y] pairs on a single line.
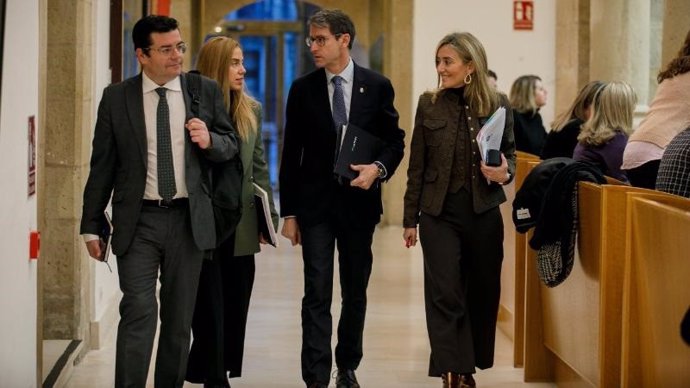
[[62, 370]]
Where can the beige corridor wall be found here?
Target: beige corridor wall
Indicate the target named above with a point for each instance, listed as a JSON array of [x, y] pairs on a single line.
[[510, 53]]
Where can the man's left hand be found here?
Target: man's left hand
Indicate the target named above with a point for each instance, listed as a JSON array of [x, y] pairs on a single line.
[[368, 173], [199, 133]]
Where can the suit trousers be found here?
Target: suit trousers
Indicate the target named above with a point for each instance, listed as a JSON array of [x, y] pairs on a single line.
[[220, 316], [162, 243], [355, 262], [463, 254]]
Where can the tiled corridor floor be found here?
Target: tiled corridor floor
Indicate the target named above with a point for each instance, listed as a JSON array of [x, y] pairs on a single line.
[[395, 340]]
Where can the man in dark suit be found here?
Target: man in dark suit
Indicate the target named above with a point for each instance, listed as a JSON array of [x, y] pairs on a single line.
[[321, 211], [154, 157]]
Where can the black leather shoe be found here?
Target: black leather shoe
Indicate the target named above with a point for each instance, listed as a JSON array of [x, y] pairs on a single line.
[[346, 379]]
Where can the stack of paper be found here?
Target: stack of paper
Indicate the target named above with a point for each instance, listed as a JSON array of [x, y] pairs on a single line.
[[263, 214], [491, 134]]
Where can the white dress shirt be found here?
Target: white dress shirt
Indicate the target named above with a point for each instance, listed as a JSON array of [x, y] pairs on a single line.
[[177, 134]]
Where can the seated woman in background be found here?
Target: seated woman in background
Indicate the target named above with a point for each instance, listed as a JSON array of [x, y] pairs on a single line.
[[562, 139], [527, 95], [674, 168], [668, 115], [603, 137]]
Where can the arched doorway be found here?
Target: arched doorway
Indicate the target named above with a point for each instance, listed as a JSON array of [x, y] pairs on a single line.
[[272, 34]]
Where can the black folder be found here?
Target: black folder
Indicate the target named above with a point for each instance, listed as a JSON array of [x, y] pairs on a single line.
[[105, 235], [358, 147]]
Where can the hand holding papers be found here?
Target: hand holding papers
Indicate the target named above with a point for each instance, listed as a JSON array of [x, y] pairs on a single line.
[[490, 136], [263, 214]]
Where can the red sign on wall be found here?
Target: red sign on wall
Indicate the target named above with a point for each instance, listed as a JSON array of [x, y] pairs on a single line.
[[523, 15]]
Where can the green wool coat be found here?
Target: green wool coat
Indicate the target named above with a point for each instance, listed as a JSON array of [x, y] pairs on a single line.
[[255, 171]]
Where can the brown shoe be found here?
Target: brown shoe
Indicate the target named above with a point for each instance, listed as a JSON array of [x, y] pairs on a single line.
[[450, 380], [467, 381]]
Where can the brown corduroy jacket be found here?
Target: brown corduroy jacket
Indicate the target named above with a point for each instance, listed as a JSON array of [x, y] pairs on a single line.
[[432, 151]]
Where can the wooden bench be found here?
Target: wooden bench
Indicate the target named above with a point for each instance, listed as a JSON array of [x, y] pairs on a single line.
[[656, 293], [511, 315]]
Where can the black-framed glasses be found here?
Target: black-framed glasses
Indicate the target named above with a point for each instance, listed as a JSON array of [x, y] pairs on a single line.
[[319, 40], [168, 50]]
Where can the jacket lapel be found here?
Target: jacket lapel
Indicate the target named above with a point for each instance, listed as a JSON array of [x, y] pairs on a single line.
[[134, 100], [359, 92], [320, 98]]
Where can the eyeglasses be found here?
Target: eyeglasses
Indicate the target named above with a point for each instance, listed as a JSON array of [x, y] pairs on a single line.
[[319, 40], [168, 50]]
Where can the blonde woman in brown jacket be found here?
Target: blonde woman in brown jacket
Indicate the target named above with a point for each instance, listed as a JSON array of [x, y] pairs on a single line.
[[454, 197]]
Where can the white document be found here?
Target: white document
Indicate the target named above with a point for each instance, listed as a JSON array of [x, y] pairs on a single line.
[[491, 134], [263, 213]]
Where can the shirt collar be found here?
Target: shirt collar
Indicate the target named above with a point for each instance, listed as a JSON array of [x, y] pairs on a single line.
[[347, 74], [148, 85]]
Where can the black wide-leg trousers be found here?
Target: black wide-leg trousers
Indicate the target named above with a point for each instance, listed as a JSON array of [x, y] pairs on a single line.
[[463, 254]]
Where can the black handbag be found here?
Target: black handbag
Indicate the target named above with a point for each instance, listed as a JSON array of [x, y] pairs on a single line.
[[225, 178]]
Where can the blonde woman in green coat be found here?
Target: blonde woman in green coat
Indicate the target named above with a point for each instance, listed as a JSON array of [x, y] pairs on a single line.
[[226, 283]]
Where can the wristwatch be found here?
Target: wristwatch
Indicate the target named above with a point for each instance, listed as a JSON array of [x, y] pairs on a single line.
[[382, 171], [507, 180]]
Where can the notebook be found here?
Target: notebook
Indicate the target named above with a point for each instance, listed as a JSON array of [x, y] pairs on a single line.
[[358, 147]]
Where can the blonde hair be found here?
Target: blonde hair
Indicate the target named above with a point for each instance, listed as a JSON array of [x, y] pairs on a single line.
[[578, 110], [614, 105], [481, 98], [522, 94], [215, 58]]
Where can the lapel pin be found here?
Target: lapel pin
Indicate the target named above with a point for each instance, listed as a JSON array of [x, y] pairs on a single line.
[[361, 90]]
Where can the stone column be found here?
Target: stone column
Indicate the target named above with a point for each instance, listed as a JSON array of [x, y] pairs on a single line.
[[64, 265], [572, 50], [619, 45], [675, 28], [397, 66]]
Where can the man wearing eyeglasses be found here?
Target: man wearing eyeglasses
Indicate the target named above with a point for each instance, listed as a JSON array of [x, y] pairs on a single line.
[[153, 156], [322, 210]]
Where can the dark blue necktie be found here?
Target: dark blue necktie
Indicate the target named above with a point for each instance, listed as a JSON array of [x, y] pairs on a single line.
[[166, 171], [339, 112]]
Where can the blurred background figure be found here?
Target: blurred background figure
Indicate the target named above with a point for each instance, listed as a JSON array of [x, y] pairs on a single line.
[[603, 137], [492, 79], [225, 288], [668, 115], [527, 96], [562, 139], [674, 167]]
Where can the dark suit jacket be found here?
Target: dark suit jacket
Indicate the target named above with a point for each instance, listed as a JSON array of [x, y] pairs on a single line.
[[119, 161], [307, 187]]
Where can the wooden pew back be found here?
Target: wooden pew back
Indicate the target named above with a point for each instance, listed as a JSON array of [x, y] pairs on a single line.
[[656, 293]]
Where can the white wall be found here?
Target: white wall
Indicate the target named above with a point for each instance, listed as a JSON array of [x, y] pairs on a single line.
[[18, 283], [510, 53]]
